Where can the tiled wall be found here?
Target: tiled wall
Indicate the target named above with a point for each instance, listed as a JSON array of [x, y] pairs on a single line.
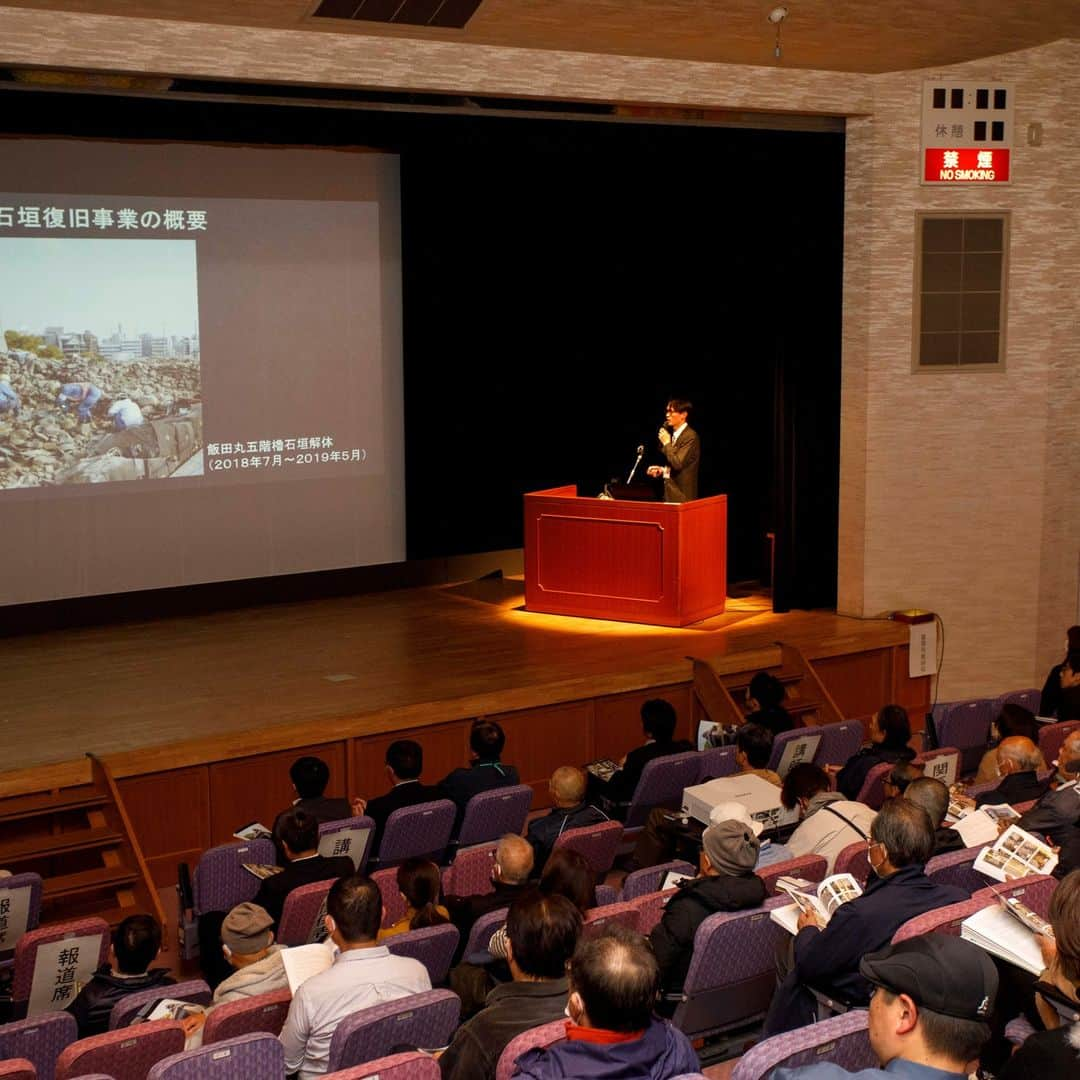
[[957, 491]]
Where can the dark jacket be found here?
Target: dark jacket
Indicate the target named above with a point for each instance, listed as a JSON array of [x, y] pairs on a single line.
[[483, 775], [407, 793], [1046, 1054], [660, 1053], [673, 937], [828, 959], [683, 458], [1056, 814], [273, 890], [544, 831], [851, 777], [511, 1008], [1017, 787], [321, 808], [620, 787], [92, 1007], [775, 718], [946, 840], [1050, 698]]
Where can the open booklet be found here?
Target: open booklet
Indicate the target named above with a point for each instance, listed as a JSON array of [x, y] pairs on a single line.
[[262, 870], [169, 1009], [253, 830], [603, 768], [980, 826], [1016, 854], [1010, 930], [303, 961], [830, 894]]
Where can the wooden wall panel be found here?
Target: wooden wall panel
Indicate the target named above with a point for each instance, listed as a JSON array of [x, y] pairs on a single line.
[[445, 747], [618, 719], [257, 788], [170, 813], [538, 741], [859, 683]]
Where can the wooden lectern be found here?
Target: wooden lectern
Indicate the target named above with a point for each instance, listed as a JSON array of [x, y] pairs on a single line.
[[646, 562]]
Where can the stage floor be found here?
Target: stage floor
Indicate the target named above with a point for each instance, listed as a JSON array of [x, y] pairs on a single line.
[[456, 650]]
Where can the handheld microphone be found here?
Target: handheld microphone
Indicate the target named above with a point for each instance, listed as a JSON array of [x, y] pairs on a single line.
[[640, 455]]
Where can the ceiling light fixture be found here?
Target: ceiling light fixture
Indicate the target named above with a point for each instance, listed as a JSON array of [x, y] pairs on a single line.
[[776, 17]]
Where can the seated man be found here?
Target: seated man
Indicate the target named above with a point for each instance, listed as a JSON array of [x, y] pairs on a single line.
[[612, 1031], [298, 832], [541, 933], [828, 821], [364, 973], [570, 811], [1057, 814], [727, 883], [753, 748], [827, 958], [898, 778], [658, 720], [764, 696], [928, 1015], [247, 941], [404, 764], [890, 733], [933, 796], [1018, 759], [510, 875], [136, 943], [310, 776], [485, 771]]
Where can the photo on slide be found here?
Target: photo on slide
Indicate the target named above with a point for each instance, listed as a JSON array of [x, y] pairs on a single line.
[[99, 361]]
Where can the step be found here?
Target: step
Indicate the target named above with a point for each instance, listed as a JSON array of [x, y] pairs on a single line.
[[35, 847], [103, 877], [22, 807]]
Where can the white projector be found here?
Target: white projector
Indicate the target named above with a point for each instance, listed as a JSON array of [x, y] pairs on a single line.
[[760, 798]]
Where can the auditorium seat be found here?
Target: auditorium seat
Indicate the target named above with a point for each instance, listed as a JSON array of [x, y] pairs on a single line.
[[841, 1040], [640, 882], [262, 1012], [247, 1057], [1034, 891], [425, 1020], [417, 832], [625, 914], [808, 867], [394, 904], [965, 725], [942, 764], [476, 948], [17, 1069], [1027, 699], [470, 872], [662, 783], [123, 1012], [433, 946], [409, 1066], [732, 973], [716, 762], [300, 911], [23, 893], [839, 742], [607, 894], [955, 868], [347, 836], [220, 881], [126, 1054], [1051, 736], [40, 1039], [650, 908], [852, 860], [872, 792], [597, 843], [942, 920], [544, 1035], [492, 814], [91, 936]]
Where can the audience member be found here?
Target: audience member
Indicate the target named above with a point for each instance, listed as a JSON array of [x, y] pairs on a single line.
[[1068, 707], [727, 882], [541, 933], [933, 796], [1055, 1051], [828, 821], [310, 777], [890, 733], [769, 852], [1018, 759], [298, 832], [567, 788], [658, 720], [1051, 691], [420, 883], [927, 1020], [612, 1031], [1011, 720], [404, 764], [827, 958], [753, 748], [485, 771], [135, 945], [364, 973], [247, 940], [1057, 813], [510, 876], [900, 775], [764, 697]]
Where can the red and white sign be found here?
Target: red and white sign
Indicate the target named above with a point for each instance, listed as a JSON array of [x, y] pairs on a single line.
[[967, 165]]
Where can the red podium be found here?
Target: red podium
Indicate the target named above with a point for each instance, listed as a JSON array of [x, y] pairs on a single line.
[[647, 562]]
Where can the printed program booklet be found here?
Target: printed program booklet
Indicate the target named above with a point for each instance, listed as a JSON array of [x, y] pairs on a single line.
[[262, 870], [1010, 930], [603, 769], [253, 830], [981, 826], [830, 894], [303, 961], [1016, 854]]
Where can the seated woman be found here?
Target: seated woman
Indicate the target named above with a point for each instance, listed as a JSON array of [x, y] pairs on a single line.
[[1050, 700], [1012, 720], [420, 883], [764, 697], [890, 733], [1055, 1051]]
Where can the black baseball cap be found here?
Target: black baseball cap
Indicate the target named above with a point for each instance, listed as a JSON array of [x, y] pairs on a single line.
[[939, 972]]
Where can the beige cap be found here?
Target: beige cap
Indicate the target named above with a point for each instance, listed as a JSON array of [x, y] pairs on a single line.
[[245, 929]]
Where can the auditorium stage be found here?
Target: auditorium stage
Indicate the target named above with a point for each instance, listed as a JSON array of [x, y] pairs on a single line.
[[174, 692]]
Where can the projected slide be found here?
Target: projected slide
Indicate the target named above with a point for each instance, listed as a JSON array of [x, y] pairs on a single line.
[[99, 362]]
